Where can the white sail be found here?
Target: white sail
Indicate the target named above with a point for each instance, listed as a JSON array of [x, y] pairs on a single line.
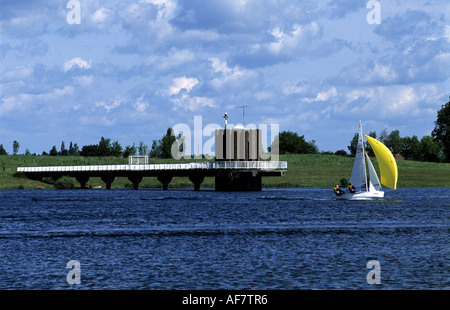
[[374, 181], [358, 176], [370, 189]]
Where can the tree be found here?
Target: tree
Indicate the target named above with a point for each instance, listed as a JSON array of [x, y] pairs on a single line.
[[53, 151], [116, 149], [367, 146], [64, 151], [166, 143], [163, 148], [16, 147], [73, 149], [431, 149], [354, 144], [341, 153], [89, 150], [104, 147], [394, 141], [142, 149], [291, 142], [384, 136], [155, 151], [441, 130], [2, 150], [411, 148], [129, 151]]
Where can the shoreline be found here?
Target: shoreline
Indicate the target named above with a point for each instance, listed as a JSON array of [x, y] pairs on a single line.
[[304, 171]]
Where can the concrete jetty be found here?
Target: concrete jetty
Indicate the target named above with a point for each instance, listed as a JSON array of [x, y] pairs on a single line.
[[238, 166], [229, 175]]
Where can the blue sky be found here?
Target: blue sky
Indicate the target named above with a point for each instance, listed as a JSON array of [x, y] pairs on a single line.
[[131, 69]]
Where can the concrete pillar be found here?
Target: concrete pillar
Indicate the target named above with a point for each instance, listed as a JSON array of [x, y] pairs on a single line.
[[165, 180], [197, 180], [108, 181], [135, 180], [82, 180], [238, 182]]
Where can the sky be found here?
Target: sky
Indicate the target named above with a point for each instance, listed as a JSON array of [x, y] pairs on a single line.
[[127, 70]]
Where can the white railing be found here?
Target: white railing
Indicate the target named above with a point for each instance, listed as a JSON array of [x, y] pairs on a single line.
[[252, 165]]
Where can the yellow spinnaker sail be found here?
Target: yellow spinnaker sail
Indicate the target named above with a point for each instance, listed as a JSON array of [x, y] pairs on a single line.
[[386, 161]]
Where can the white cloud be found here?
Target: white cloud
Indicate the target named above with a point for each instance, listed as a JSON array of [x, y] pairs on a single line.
[[179, 93], [181, 83], [102, 17], [186, 102], [286, 43], [19, 73], [226, 76], [173, 59], [30, 102], [77, 61], [149, 17], [140, 104], [446, 33], [84, 80], [295, 88], [383, 102], [323, 96], [118, 100], [196, 55]]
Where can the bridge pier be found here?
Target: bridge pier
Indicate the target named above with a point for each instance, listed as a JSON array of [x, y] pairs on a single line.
[[229, 175], [165, 180], [135, 180], [82, 180], [197, 180], [108, 181], [238, 182]]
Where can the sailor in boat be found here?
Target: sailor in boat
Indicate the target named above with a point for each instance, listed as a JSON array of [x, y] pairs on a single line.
[[351, 188], [338, 191]]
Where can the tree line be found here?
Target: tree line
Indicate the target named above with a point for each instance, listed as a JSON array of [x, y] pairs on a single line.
[[425, 149], [435, 147], [105, 147]]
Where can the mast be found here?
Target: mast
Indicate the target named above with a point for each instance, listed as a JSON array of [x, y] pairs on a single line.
[[364, 152], [243, 112]]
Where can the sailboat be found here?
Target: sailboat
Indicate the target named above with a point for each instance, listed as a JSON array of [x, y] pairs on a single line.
[[369, 187]]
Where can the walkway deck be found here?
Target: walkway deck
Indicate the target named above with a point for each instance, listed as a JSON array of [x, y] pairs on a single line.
[[196, 172]]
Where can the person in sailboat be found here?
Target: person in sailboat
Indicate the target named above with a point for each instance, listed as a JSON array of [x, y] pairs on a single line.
[[338, 191], [351, 188]]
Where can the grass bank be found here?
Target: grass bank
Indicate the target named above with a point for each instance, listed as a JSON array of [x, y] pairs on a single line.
[[318, 170], [305, 170]]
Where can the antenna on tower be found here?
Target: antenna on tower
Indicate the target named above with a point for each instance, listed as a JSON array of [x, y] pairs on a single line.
[[225, 116], [243, 112]]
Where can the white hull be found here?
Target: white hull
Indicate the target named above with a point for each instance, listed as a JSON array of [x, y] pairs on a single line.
[[361, 195]]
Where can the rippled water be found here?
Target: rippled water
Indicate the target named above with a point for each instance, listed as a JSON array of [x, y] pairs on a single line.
[[183, 239]]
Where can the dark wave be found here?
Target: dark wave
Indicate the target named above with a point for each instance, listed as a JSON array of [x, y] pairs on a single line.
[[277, 198], [243, 230]]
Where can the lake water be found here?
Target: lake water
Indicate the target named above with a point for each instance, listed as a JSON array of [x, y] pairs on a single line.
[[281, 239]]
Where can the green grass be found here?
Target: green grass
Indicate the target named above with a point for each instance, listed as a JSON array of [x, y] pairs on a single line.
[[318, 170], [305, 170]]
